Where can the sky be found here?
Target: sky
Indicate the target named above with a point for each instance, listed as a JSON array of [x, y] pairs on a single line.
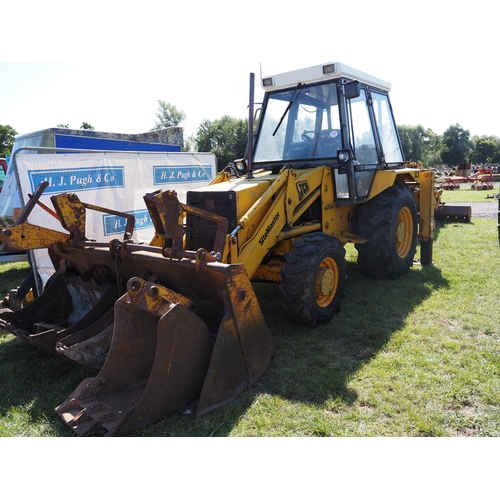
[[108, 63]]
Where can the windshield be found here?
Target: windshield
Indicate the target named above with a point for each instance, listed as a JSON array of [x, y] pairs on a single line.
[[300, 125]]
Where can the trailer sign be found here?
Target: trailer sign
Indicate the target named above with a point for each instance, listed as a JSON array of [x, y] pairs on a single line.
[[114, 180], [114, 224], [77, 179], [184, 173]]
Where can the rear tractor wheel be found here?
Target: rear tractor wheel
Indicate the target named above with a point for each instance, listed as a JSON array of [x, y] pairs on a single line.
[[389, 222], [313, 279]]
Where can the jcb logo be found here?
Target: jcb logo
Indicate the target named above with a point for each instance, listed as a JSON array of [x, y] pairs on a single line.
[[303, 189]]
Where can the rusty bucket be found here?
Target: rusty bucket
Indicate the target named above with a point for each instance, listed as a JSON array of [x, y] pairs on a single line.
[[163, 357]]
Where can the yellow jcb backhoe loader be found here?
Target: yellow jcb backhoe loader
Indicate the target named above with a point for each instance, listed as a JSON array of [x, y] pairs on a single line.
[[176, 323]]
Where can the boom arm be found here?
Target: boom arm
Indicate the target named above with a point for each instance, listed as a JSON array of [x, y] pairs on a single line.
[[286, 200]]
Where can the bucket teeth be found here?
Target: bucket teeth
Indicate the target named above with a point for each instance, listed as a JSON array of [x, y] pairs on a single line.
[[68, 405], [89, 419], [89, 389], [85, 413]]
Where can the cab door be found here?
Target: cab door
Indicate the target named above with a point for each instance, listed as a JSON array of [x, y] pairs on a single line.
[[354, 179]]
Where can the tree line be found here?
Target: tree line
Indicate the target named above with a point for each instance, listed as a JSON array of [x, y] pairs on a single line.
[[453, 147], [226, 137]]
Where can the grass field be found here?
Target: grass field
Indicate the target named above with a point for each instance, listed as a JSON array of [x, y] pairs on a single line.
[[467, 195], [414, 357]]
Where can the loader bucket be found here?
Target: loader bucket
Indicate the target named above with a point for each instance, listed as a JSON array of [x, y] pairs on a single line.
[[71, 310], [164, 356], [446, 212]]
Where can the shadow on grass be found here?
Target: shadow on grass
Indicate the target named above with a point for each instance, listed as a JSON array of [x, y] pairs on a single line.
[[315, 365], [312, 365], [33, 383]]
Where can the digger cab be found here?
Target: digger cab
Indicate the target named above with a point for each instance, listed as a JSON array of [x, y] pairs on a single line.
[[329, 115]]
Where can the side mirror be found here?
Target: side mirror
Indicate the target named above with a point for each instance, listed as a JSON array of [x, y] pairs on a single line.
[[352, 90]]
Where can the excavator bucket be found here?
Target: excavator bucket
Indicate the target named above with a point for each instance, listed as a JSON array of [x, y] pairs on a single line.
[[157, 362], [74, 314], [163, 357], [69, 305]]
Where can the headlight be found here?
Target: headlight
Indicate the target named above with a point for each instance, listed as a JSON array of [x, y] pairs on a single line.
[[344, 156], [328, 68], [241, 165]]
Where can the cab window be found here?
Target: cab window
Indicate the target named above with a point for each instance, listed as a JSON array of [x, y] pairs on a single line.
[[363, 137], [386, 128]]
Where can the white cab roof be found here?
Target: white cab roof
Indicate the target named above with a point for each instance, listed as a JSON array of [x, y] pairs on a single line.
[[326, 71]]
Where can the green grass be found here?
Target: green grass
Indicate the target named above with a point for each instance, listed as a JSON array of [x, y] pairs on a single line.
[[414, 357], [467, 195]]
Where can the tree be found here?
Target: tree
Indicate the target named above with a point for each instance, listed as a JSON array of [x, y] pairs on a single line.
[[86, 126], [487, 149], [420, 144], [457, 145], [7, 136], [225, 137], [168, 115], [190, 143], [62, 125]]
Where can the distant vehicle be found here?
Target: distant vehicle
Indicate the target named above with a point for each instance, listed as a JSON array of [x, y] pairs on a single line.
[[482, 178]]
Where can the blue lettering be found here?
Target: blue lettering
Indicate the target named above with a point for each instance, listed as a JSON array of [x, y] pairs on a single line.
[[113, 224], [181, 173], [78, 179]]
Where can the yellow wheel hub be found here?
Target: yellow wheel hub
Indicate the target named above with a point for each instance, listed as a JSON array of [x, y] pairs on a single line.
[[326, 282], [404, 232]]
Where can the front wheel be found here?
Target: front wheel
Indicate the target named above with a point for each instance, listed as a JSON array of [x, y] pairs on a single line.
[[389, 222], [313, 279]]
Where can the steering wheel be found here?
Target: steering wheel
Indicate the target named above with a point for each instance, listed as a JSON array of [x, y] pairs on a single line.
[[305, 135]]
